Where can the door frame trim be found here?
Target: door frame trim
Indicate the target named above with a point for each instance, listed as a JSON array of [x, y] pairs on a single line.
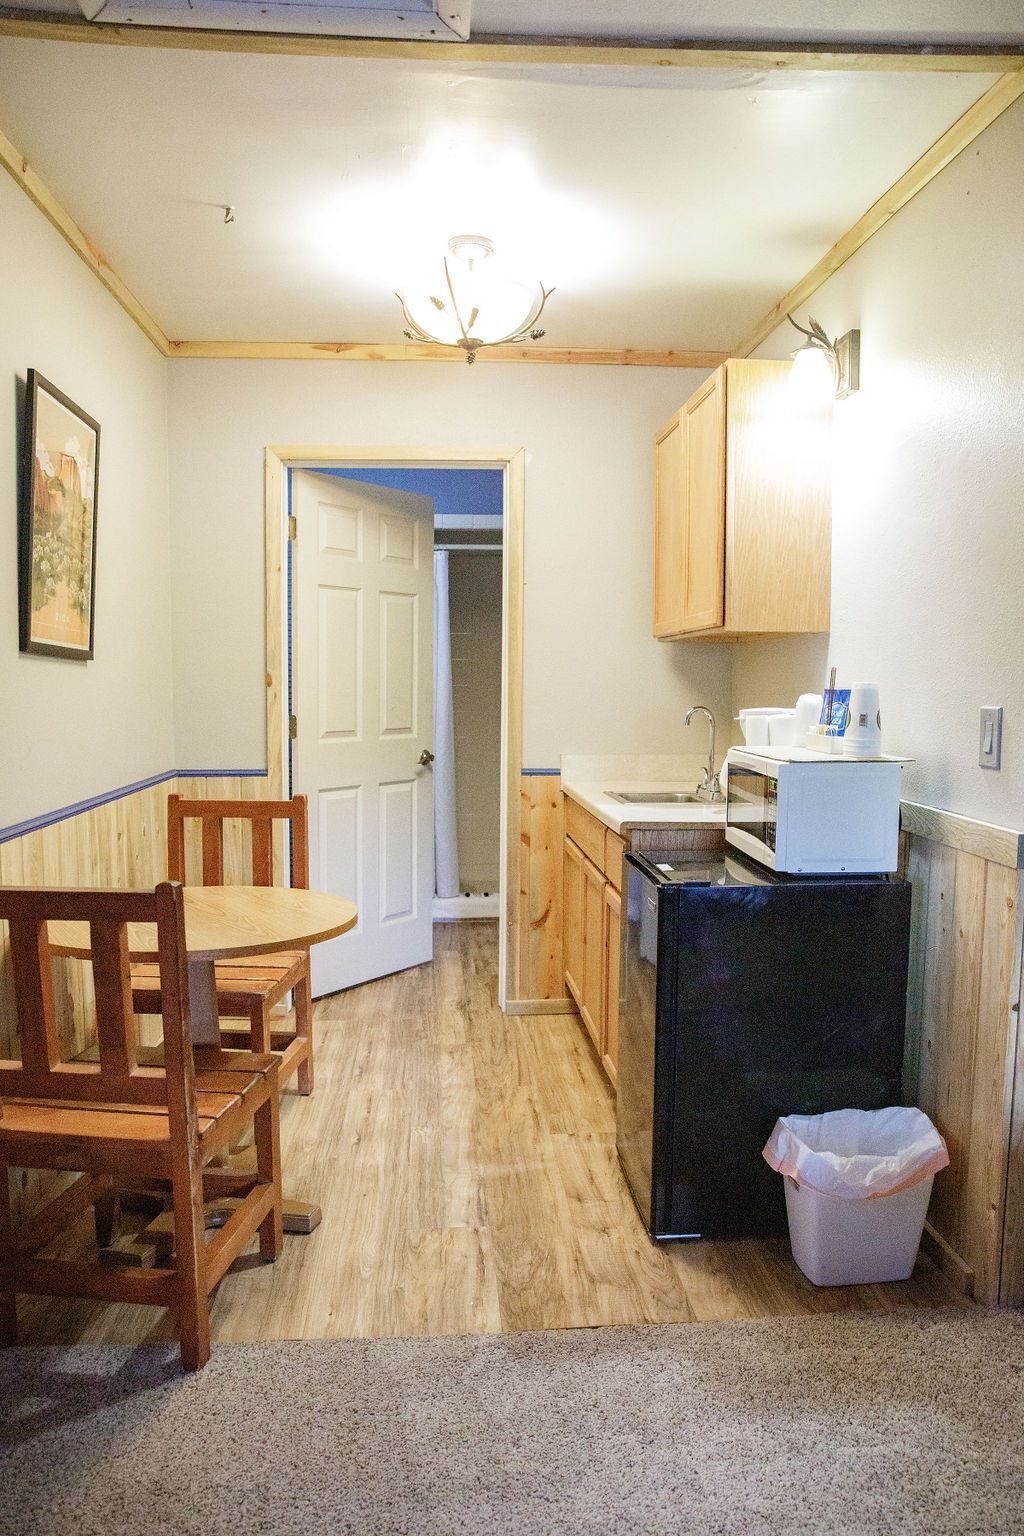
[[278, 459]]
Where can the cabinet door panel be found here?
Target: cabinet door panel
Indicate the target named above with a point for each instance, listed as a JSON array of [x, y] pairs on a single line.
[[704, 502], [572, 918], [612, 947], [669, 550], [592, 987]]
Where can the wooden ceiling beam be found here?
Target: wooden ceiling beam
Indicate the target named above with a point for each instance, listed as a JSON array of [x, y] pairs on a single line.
[[34, 187], [422, 352], [622, 53], [964, 131]]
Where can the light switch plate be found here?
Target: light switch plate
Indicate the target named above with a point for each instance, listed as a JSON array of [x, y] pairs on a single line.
[[990, 739]]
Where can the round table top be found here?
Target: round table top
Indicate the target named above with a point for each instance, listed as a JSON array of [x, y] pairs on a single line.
[[226, 920]]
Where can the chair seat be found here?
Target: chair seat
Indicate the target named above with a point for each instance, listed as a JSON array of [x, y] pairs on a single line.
[[107, 1122], [240, 982]]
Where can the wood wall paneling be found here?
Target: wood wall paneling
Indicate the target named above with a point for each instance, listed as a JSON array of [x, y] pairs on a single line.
[[541, 832], [962, 1016]]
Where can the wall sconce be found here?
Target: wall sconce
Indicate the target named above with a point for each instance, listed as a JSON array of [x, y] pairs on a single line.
[[841, 357]]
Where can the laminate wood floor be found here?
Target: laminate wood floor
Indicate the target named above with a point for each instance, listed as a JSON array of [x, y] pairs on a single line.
[[465, 1162]]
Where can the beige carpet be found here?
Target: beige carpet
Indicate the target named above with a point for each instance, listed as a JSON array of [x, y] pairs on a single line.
[[906, 1423]]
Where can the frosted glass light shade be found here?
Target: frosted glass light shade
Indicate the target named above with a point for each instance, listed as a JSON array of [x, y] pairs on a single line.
[[491, 304], [476, 302], [813, 376]]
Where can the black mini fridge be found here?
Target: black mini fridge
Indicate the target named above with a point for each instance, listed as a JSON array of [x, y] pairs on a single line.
[[747, 995]]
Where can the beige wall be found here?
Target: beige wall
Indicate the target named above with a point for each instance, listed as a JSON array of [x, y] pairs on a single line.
[[73, 729], [595, 680], [474, 598], [928, 548]]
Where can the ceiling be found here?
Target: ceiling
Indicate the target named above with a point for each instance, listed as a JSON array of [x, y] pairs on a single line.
[[994, 22], [668, 209]]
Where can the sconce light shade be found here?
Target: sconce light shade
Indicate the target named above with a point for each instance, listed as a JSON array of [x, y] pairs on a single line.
[[842, 357]]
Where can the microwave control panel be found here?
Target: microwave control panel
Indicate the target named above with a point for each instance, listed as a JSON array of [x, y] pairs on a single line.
[[771, 812]]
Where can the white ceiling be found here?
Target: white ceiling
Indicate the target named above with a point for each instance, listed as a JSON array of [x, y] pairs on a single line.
[[669, 210], [996, 22]]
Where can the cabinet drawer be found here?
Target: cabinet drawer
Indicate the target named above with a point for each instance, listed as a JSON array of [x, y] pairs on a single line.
[[586, 831], [614, 848]]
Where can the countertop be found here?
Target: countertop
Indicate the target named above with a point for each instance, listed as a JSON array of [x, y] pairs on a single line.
[[588, 780]]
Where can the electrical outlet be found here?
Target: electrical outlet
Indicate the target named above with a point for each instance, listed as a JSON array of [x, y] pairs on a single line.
[[990, 741]]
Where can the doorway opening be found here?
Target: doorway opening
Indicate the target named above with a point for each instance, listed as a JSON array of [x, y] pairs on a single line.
[[374, 620], [466, 771]]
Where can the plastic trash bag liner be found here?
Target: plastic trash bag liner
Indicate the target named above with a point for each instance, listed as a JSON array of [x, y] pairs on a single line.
[[857, 1154]]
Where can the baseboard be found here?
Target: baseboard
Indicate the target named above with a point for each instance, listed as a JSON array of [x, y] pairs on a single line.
[[541, 1005], [948, 1260]]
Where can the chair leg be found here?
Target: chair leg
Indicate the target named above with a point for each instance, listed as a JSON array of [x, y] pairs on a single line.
[[259, 1027], [8, 1299], [267, 1135], [190, 1267], [104, 1213], [304, 1026]]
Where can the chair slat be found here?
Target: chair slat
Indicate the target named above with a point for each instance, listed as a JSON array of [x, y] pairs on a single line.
[[213, 851], [262, 852], [33, 988], [116, 1026]]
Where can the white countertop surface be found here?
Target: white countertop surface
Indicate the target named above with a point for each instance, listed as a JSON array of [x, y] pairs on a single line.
[[588, 780]]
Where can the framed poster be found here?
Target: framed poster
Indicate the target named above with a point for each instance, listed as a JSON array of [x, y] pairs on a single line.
[[57, 524]]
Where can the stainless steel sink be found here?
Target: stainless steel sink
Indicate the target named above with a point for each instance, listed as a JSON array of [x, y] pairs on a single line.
[[653, 796]]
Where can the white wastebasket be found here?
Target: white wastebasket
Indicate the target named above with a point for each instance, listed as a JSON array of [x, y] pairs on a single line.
[[858, 1184]]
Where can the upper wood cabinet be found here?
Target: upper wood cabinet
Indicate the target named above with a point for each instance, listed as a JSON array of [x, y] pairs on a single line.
[[743, 509]]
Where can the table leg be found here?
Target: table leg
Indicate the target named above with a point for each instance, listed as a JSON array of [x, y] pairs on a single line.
[[202, 1002]]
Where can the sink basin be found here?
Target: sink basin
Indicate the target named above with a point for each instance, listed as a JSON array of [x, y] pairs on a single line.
[[654, 796]]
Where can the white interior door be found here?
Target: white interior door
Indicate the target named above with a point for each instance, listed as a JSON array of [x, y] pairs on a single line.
[[362, 692]]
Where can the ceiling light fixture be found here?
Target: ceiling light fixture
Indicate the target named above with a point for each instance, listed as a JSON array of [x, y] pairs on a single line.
[[483, 306], [841, 357]]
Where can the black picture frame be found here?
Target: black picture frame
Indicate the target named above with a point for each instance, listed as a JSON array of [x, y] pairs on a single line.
[[57, 524]]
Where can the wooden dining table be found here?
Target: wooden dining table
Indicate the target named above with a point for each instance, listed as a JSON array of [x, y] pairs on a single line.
[[224, 922]]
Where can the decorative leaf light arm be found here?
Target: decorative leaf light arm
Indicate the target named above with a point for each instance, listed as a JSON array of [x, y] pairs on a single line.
[[818, 337], [468, 343]]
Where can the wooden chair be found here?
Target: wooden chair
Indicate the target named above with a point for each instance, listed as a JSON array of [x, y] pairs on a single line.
[[116, 1121], [247, 989]]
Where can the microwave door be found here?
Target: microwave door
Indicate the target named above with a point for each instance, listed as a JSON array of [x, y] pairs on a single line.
[[747, 805]]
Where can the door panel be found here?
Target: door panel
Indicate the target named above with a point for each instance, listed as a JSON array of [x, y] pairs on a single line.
[[362, 635], [705, 506], [612, 981], [592, 999], [572, 930]]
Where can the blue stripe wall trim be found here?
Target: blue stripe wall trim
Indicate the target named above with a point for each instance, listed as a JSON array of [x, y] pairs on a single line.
[[36, 823], [540, 773]]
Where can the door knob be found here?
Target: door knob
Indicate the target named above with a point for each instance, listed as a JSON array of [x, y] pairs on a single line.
[[426, 757]]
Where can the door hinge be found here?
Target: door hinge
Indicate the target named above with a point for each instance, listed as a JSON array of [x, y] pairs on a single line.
[[293, 528], [293, 727]]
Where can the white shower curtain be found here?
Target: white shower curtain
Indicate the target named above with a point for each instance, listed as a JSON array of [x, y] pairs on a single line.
[[446, 842]]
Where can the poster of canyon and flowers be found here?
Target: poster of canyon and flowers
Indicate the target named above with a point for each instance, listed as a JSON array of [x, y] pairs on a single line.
[[58, 524]]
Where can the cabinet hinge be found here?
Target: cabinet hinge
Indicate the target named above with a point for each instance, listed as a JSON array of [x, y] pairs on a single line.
[[293, 727], [293, 528]]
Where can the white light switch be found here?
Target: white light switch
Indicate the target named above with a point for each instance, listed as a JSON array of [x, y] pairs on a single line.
[[990, 749]]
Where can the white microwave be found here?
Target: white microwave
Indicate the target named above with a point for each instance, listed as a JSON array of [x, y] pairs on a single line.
[[802, 814]]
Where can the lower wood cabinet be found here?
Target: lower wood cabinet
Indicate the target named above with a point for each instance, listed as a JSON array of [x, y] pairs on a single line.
[[591, 911]]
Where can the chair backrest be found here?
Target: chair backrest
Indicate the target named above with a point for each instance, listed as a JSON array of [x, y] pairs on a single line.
[[43, 1071], [261, 816]]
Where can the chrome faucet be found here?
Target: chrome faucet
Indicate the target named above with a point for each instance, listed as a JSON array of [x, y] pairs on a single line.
[[709, 787]]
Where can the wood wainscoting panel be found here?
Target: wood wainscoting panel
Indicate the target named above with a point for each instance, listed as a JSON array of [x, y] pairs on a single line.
[[121, 843], [962, 1008], [541, 834]]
